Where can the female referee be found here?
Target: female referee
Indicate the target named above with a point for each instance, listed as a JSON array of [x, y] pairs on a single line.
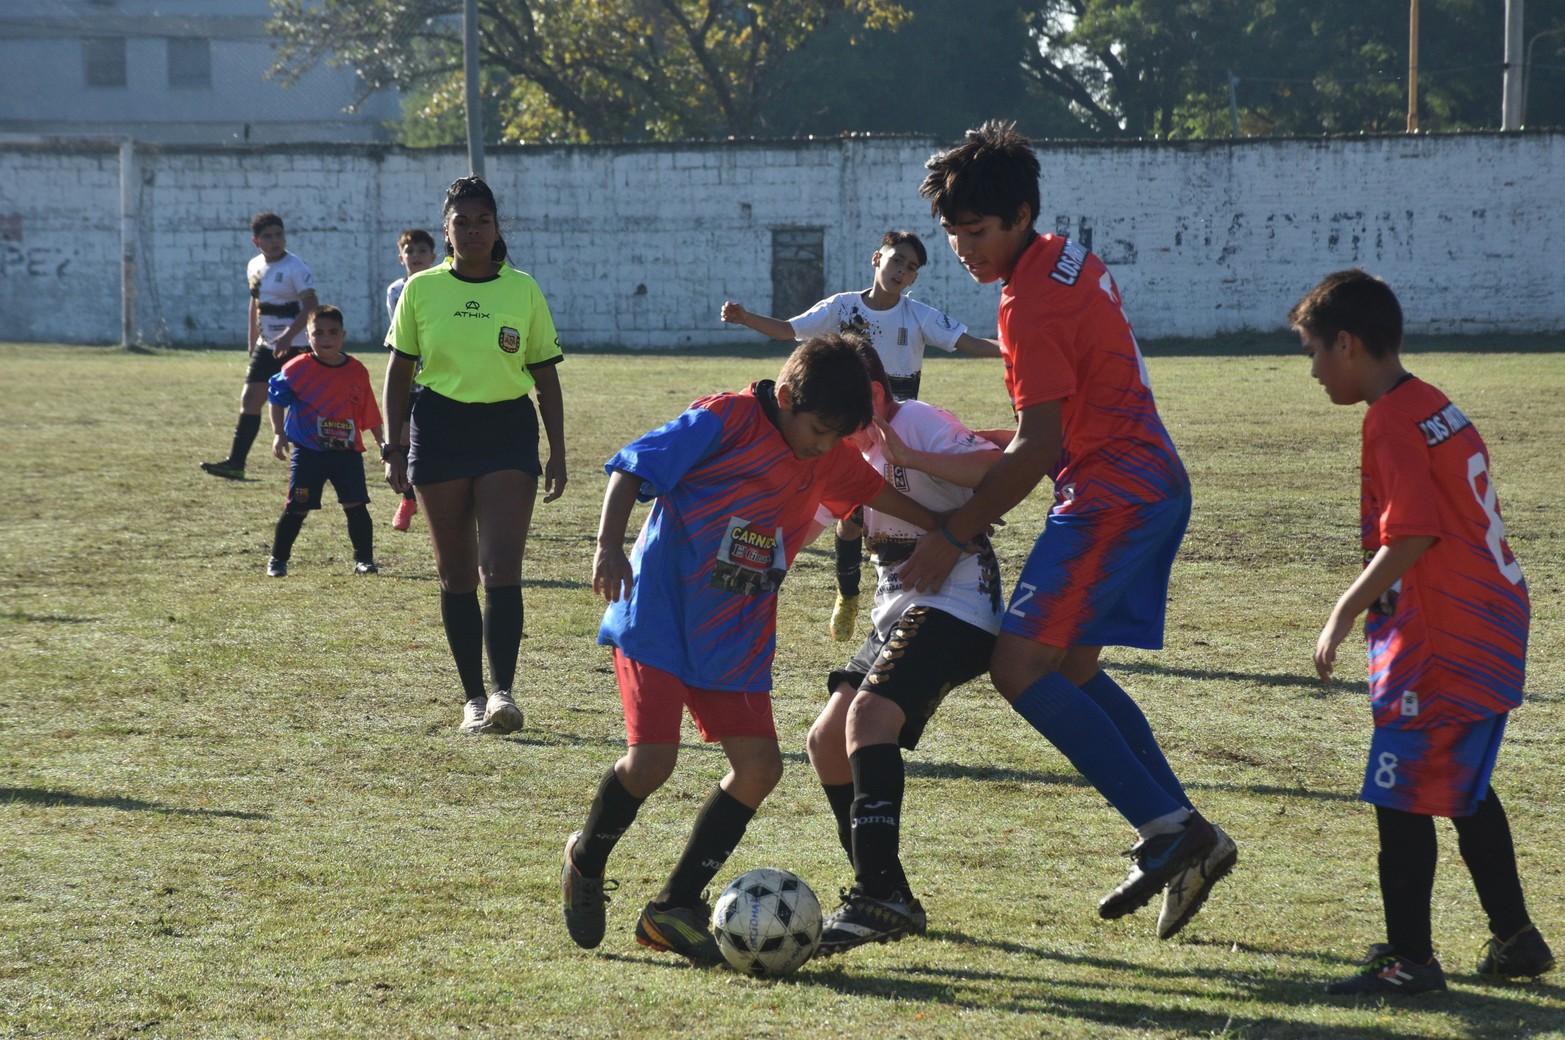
[[485, 336]]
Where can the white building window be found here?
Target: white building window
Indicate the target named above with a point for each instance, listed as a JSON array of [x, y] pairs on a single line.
[[189, 62], [104, 60]]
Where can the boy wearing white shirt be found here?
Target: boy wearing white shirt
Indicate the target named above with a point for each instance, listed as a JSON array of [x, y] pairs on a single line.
[[922, 646]]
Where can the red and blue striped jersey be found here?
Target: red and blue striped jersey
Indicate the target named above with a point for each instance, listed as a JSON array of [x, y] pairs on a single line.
[[1064, 337], [730, 507], [1448, 642], [329, 406]]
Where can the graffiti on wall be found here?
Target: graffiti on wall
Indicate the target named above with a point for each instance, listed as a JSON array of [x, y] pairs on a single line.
[[19, 260]]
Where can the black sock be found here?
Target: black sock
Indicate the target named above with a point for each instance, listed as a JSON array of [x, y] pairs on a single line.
[[361, 532], [244, 436], [409, 495], [1407, 879], [850, 563], [286, 532], [1484, 839], [719, 826], [613, 810], [503, 633], [840, 798], [877, 819], [464, 623]]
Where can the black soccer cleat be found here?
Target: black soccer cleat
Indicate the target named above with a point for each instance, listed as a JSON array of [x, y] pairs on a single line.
[[1156, 861], [1523, 956], [1384, 972]]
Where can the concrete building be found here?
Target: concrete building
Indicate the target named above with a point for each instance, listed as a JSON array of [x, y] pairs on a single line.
[[167, 72]]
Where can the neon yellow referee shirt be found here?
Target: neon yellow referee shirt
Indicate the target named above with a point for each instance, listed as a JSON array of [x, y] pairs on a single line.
[[475, 339]]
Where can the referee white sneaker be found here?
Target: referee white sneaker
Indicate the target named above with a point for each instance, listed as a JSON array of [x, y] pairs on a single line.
[[501, 713]]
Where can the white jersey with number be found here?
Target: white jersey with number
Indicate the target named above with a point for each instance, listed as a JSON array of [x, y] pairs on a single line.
[[973, 591], [278, 289], [897, 334]]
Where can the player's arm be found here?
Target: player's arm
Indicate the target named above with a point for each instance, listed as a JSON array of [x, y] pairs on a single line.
[[965, 469], [307, 303], [1393, 560], [735, 314], [892, 502], [611, 574], [394, 405], [551, 409], [279, 438], [967, 343], [1028, 459], [254, 325]]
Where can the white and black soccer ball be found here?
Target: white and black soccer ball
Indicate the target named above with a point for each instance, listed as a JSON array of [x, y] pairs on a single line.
[[767, 922]]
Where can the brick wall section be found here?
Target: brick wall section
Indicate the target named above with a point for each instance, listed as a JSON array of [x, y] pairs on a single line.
[[639, 245]]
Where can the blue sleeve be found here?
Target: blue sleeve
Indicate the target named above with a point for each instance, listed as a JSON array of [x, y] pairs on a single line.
[[278, 391], [664, 455]]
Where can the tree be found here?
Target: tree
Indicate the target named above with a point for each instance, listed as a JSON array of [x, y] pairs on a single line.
[[584, 70], [1162, 67], [914, 79]]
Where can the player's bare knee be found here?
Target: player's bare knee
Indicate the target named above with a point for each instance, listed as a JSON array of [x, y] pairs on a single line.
[[1018, 663], [647, 767]]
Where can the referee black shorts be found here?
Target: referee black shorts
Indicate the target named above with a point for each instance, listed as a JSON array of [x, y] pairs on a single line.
[[455, 440]]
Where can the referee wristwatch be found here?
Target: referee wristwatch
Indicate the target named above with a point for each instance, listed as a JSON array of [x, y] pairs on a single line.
[[389, 451]]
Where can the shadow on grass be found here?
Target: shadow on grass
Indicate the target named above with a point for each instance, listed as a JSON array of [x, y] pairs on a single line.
[[1077, 998], [1293, 681], [47, 619], [44, 797]]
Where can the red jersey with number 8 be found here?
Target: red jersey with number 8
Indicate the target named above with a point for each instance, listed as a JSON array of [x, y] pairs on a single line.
[[1447, 643]]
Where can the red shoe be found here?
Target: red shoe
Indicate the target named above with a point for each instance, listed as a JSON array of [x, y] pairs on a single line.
[[405, 510]]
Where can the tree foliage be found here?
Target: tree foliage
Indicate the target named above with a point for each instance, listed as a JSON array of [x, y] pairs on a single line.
[[612, 70], [584, 70], [1188, 68]]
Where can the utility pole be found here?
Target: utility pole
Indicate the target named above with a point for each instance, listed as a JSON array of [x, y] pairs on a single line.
[[1412, 69], [1233, 101], [475, 113], [1511, 103]]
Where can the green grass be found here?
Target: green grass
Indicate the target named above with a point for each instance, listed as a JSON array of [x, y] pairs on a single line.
[[236, 807]]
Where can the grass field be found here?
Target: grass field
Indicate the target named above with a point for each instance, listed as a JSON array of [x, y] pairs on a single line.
[[239, 807]]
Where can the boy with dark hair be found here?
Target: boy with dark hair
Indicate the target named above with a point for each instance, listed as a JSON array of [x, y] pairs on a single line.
[[898, 327], [415, 252], [692, 613], [1447, 632], [922, 646], [1098, 575], [282, 295], [321, 403]]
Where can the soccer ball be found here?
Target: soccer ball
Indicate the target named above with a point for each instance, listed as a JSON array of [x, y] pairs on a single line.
[[767, 922]]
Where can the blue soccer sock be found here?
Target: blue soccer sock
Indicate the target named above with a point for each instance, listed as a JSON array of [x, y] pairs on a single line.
[[1084, 733], [1133, 726]]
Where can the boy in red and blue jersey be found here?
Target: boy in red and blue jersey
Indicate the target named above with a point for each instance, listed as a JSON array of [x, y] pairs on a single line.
[[321, 404], [735, 482], [1098, 575], [1447, 633]]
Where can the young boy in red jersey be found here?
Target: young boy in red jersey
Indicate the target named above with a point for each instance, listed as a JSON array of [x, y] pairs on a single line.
[[692, 616], [1099, 574], [1447, 633], [321, 404], [898, 327]]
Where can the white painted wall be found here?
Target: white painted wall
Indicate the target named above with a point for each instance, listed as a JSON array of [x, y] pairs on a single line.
[[1203, 238]]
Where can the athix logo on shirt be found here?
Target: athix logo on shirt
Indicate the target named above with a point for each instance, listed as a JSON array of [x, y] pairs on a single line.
[[471, 311]]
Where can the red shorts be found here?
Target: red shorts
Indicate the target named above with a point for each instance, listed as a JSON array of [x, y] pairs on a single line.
[[655, 700]]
